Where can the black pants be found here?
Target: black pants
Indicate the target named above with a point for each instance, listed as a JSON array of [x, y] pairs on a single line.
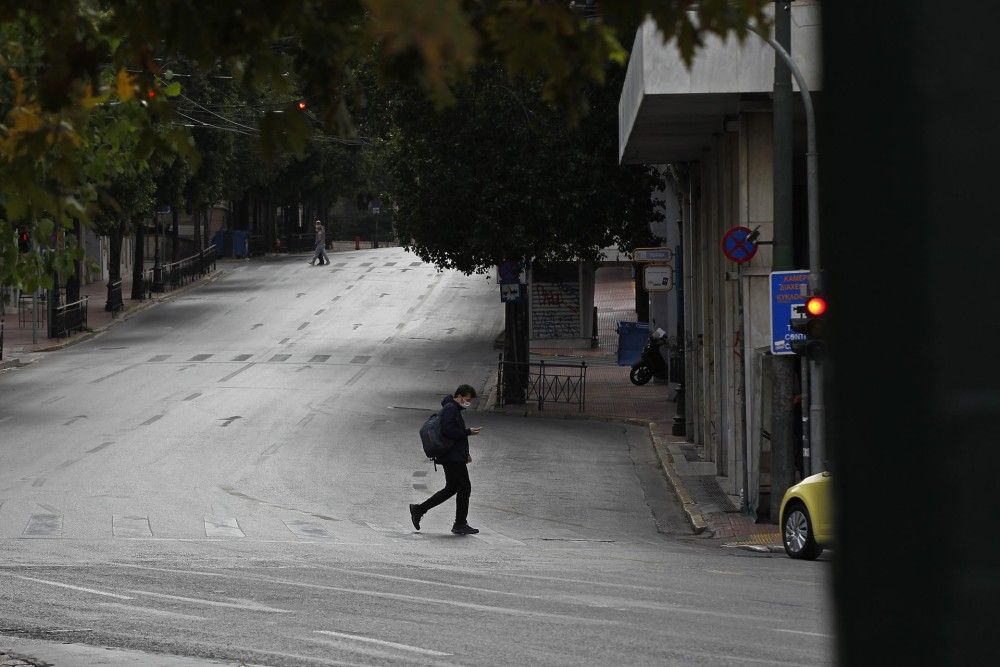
[[456, 481]]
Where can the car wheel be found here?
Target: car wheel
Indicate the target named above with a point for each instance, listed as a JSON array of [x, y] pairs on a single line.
[[640, 375], [797, 531]]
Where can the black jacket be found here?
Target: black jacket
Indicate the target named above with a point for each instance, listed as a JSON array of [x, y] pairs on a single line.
[[453, 428]]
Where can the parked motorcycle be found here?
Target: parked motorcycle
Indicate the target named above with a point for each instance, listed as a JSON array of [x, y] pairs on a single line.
[[651, 363]]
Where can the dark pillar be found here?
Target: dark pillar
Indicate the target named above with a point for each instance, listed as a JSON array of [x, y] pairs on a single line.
[[911, 126], [783, 442]]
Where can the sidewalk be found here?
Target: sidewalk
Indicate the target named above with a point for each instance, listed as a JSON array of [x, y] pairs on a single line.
[[610, 395]]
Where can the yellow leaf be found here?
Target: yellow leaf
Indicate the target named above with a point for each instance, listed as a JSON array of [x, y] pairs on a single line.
[[125, 86]]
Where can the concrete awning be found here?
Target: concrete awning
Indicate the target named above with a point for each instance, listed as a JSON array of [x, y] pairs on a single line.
[[668, 113]]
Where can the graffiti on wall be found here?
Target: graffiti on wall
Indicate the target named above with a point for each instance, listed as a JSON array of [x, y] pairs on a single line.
[[555, 310]]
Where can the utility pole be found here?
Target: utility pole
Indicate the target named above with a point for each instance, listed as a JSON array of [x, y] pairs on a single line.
[[782, 427]]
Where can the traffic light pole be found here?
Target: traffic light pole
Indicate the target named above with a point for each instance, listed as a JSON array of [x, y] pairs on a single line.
[[816, 410]]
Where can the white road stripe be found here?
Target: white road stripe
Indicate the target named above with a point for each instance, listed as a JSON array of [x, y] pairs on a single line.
[[214, 603], [382, 642], [72, 587], [801, 632]]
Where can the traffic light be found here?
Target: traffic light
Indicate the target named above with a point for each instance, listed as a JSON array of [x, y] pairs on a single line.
[[23, 239], [810, 324]]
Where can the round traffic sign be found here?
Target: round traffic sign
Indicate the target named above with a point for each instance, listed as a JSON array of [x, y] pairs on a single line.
[[736, 245]]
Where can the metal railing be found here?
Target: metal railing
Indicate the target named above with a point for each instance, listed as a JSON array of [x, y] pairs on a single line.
[[541, 382], [70, 317], [179, 273], [182, 272]]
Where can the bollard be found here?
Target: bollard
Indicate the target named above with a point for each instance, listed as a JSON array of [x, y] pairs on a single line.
[[357, 243]]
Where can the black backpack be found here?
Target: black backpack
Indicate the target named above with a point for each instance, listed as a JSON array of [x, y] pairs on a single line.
[[435, 444]]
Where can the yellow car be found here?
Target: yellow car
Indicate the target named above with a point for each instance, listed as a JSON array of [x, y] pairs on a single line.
[[807, 517]]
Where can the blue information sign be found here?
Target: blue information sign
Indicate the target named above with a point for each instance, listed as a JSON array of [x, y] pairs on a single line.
[[788, 289]]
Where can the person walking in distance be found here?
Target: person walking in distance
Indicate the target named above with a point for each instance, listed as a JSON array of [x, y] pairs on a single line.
[[319, 249], [455, 462]]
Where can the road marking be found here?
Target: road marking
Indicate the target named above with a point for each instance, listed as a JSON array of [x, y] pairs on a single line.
[[307, 529], [336, 298], [222, 527], [357, 376], [193, 396], [801, 632], [72, 587], [382, 642], [150, 610], [428, 582], [303, 326], [498, 540], [44, 525], [130, 526], [214, 603], [101, 446], [283, 341], [235, 373], [111, 375], [151, 420]]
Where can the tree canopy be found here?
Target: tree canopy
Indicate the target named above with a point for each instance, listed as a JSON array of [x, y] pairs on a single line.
[[63, 61]]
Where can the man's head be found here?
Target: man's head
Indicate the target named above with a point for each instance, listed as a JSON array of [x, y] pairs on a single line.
[[464, 395]]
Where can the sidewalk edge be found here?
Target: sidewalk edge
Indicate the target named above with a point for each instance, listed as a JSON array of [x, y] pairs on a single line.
[[125, 315], [695, 518]]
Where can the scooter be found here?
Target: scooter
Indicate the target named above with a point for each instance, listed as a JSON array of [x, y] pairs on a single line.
[[651, 363]]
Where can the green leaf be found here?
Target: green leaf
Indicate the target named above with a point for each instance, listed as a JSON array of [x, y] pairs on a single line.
[[173, 89]]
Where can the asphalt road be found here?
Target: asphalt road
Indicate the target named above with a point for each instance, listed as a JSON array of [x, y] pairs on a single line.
[[225, 477]]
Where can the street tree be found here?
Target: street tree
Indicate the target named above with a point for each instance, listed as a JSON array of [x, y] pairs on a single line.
[[55, 65]]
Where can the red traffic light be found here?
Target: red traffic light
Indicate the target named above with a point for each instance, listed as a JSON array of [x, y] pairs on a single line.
[[816, 306]]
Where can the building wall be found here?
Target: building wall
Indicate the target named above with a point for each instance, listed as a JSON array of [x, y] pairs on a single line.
[[726, 305]]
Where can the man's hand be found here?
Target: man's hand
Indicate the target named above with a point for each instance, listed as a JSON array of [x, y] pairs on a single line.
[[475, 431]]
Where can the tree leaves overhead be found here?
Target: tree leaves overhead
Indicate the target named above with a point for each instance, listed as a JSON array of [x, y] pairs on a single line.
[[63, 60], [499, 175]]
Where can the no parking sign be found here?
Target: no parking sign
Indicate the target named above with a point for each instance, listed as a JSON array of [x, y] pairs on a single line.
[[737, 246]]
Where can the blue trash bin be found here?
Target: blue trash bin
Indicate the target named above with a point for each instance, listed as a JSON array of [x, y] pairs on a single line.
[[632, 337]]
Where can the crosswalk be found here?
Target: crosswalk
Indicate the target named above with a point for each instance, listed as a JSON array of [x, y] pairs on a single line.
[[137, 526]]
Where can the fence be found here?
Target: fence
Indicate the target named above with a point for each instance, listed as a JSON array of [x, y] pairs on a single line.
[[176, 274], [541, 382], [69, 318]]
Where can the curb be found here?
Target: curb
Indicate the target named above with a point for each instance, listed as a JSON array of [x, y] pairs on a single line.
[[125, 315], [690, 507]]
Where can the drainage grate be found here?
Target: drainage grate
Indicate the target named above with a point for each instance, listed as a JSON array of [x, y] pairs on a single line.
[[200, 357], [711, 487], [160, 357], [242, 357], [360, 359], [280, 357], [319, 358]]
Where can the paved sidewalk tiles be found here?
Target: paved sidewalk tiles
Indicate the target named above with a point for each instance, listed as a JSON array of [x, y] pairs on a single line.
[[610, 395]]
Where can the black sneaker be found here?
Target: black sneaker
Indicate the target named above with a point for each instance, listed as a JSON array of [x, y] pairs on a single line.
[[415, 515], [465, 529]]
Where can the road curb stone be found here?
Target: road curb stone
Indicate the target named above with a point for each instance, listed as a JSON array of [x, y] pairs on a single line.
[[124, 316]]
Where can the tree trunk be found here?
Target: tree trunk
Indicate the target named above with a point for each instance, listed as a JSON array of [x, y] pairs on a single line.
[[175, 235], [139, 261], [196, 219]]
